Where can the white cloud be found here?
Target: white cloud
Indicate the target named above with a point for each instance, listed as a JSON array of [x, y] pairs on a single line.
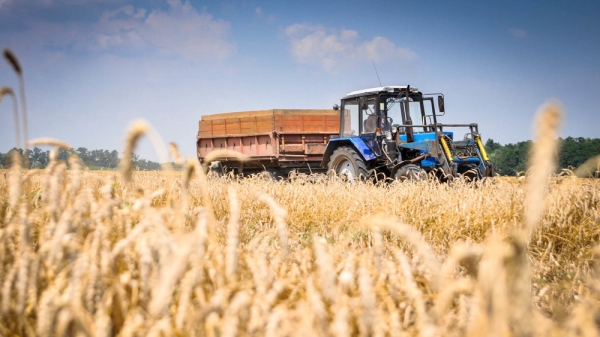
[[260, 13], [123, 42], [52, 3], [4, 3], [107, 15], [520, 33], [179, 30], [188, 33], [139, 14], [333, 50]]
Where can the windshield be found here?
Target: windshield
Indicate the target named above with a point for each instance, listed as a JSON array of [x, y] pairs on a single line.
[[363, 116], [395, 110]]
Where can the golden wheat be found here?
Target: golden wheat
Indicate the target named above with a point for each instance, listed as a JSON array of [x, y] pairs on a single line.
[[180, 253]]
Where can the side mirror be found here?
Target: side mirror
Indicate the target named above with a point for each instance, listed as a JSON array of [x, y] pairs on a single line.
[[336, 107], [441, 103]]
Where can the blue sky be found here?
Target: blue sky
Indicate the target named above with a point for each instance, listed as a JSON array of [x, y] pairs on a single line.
[[91, 67]]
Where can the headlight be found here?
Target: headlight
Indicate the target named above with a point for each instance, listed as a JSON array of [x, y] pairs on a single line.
[[388, 135], [394, 129]]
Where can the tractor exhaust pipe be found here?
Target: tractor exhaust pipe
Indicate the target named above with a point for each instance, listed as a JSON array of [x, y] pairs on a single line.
[[409, 130]]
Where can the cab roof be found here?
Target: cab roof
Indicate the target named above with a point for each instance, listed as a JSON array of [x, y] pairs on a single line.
[[391, 88]]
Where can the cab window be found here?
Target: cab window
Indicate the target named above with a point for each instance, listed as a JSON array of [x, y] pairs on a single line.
[[369, 116], [350, 118]]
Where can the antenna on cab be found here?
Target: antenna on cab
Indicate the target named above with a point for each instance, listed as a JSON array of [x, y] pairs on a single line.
[[376, 73]]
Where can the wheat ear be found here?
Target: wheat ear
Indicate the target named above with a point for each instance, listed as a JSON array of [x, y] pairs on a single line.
[[279, 215], [590, 167], [542, 161], [413, 237], [14, 62], [177, 158], [11, 93]]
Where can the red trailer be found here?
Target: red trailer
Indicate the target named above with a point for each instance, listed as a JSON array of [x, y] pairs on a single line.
[[277, 140]]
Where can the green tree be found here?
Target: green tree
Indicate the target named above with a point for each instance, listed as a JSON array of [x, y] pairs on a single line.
[[491, 146], [512, 158], [39, 159], [95, 159], [12, 155], [83, 154], [146, 165], [575, 151], [63, 154]]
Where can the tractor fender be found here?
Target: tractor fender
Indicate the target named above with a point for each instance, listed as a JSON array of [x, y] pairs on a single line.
[[355, 142]]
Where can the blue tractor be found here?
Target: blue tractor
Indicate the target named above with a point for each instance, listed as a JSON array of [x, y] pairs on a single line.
[[393, 132]]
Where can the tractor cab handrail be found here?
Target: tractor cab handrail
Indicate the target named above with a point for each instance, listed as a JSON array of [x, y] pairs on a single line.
[[439, 127]]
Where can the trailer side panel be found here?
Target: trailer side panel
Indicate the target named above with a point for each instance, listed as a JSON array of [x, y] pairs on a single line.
[[271, 138]]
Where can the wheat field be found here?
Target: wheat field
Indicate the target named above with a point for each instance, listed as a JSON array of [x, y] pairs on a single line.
[[179, 253]]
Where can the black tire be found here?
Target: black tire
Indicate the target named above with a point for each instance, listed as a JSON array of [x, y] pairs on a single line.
[[469, 172], [215, 169], [410, 172], [348, 164], [272, 174]]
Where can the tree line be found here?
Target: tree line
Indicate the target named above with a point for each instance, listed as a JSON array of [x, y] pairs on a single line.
[[511, 159], [94, 159]]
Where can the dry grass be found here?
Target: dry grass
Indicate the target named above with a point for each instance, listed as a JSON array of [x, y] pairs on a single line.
[[177, 253]]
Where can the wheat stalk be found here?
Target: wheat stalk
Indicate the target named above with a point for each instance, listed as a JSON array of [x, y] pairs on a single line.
[[91, 253], [233, 238], [279, 214]]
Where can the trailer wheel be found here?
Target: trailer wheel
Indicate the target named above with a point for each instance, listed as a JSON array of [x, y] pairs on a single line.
[[348, 164], [272, 174], [215, 169], [410, 172]]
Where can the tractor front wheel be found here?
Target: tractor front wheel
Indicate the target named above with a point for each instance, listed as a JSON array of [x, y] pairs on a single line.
[[348, 164], [469, 172], [410, 172]]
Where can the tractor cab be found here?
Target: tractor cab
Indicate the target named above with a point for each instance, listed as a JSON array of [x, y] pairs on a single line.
[[394, 131], [377, 110]]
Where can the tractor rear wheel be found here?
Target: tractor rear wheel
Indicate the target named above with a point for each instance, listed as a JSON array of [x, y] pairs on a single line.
[[410, 172], [348, 164]]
